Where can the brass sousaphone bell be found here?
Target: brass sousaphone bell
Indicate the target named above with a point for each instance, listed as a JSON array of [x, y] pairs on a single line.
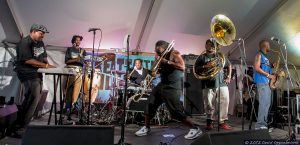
[[223, 31]]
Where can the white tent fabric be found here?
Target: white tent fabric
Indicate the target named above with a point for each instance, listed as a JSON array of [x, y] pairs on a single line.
[[186, 22], [9, 83]]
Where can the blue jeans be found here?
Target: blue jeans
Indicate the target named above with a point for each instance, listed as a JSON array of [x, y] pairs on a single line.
[[264, 98]]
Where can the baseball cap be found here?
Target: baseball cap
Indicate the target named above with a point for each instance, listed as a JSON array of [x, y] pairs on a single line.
[[39, 28]]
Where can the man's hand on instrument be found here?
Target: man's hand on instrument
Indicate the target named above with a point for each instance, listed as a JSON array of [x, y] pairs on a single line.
[[227, 80], [210, 64], [274, 64], [49, 66], [164, 61], [78, 59], [271, 76]]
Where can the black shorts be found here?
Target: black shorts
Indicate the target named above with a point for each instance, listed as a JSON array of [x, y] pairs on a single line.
[[168, 95]]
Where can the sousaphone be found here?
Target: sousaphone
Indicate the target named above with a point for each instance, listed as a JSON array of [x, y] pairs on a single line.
[[223, 31]]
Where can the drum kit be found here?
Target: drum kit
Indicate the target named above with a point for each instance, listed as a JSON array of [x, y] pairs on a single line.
[[104, 109], [107, 107]]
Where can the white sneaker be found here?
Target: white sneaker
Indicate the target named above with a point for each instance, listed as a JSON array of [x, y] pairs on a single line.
[[259, 128], [193, 133], [143, 131], [271, 129]]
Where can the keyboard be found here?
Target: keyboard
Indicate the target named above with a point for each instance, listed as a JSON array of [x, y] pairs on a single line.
[[59, 71]]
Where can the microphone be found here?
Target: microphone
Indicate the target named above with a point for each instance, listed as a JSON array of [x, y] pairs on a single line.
[[278, 41], [237, 39], [94, 29], [275, 39]]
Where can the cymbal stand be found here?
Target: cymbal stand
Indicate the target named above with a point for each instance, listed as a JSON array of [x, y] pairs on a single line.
[[122, 138]]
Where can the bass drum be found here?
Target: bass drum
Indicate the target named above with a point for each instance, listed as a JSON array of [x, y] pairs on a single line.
[[95, 86]]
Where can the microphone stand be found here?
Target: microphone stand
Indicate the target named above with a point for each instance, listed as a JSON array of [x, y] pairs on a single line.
[[218, 95], [89, 119], [81, 121], [121, 141], [243, 59], [290, 136]]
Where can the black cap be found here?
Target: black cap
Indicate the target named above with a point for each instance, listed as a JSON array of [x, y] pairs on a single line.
[[39, 28]]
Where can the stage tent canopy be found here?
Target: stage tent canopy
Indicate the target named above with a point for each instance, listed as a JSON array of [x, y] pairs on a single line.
[[186, 22], [146, 21]]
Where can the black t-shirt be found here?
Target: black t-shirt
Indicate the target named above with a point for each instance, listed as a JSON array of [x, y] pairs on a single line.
[[212, 83], [28, 49], [171, 76], [73, 53]]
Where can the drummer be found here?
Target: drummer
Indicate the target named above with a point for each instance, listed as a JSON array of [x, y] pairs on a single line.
[[74, 58], [137, 73]]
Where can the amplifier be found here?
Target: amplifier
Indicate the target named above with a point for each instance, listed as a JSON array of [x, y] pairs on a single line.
[[297, 128], [282, 109]]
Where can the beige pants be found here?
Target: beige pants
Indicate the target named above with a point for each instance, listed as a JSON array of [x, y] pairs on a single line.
[[95, 88], [211, 103], [74, 84], [73, 88]]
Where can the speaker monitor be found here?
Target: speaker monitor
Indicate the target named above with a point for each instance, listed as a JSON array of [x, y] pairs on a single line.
[[193, 93], [69, 135], [232, 138]]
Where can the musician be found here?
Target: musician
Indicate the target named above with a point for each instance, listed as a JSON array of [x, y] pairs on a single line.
[[74, 58], [31, 55], [138, 73], [210, 88], [262, 76], [168, 91]]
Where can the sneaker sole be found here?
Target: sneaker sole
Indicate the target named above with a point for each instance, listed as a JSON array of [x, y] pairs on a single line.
[[195, 136], [144, 134]]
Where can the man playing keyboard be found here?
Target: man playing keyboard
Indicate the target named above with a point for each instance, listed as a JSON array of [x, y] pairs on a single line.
[[31, 55]]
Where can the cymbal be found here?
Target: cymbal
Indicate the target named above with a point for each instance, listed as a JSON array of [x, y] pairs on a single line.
[[118, 72], [108, 56], [98, 59]]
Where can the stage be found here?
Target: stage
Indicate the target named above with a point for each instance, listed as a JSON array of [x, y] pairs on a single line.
[[171, 133]]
